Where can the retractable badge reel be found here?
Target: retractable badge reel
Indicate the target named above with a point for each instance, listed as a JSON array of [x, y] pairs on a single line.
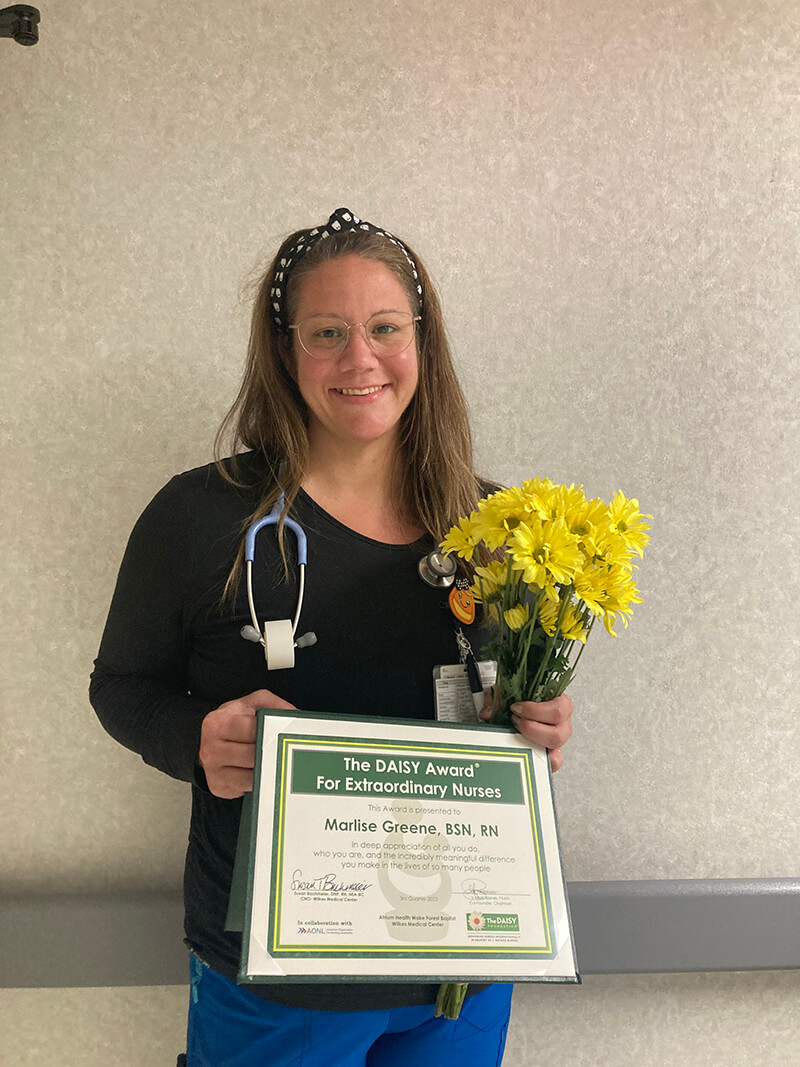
[[277, 636]]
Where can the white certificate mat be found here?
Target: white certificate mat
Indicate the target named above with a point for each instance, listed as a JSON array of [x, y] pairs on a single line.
[[396, 849]]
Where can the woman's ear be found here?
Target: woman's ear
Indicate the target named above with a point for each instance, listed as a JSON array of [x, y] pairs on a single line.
[[287, 356]]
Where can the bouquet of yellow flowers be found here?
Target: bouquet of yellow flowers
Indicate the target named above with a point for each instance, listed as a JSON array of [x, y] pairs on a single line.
[[547, 563]]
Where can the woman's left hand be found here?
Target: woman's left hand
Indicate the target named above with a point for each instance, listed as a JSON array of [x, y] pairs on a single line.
[[547, 723]]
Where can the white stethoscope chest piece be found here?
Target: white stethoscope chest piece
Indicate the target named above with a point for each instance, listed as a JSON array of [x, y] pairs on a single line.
[[437, 570]]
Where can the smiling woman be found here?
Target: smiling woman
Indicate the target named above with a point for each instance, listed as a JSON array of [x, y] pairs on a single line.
[[350, 412], [355, 398], [394, 423]]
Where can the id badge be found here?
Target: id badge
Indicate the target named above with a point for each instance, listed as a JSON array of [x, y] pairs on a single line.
[[451, 692]]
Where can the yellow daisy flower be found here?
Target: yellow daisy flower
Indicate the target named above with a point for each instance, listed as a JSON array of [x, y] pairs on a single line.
[[492, 578], [492, 529], [462, 538], [572, 626], [590, 588], [548, 615], [611, 549], [566, 500], [499, 514], [541, 490], [608, 591], [517, 616], [587, 521], [627, 522], [621, 594], [545, 552]]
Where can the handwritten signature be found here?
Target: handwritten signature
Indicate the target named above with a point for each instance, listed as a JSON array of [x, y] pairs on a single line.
[[473, 885], [326, 883]]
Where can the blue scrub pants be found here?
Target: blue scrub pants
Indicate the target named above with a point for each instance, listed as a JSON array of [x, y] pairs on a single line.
[[230, 1027]]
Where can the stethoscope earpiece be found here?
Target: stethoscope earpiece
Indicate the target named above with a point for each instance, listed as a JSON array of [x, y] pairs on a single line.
[[437, 570], [250, 633]]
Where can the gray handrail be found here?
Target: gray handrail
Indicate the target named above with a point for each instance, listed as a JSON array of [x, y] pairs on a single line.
[[124, 939]]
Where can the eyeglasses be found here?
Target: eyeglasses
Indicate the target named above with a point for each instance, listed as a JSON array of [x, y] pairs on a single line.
[[388, 333]]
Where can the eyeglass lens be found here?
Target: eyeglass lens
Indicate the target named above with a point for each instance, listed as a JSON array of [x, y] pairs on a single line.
[[324, 336]]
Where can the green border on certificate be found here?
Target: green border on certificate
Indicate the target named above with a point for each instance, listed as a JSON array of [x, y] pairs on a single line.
[[292, 751], [385, 849]]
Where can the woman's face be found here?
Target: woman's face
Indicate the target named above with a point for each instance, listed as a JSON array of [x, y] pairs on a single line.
[[359, 396]]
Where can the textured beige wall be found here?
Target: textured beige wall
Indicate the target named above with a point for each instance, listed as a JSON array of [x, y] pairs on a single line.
[[607, 194]]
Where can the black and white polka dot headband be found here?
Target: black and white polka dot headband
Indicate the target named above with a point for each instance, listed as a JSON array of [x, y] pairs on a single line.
[[341, 221]]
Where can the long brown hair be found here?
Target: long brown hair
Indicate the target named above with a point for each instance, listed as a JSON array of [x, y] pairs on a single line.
[[434, 477]]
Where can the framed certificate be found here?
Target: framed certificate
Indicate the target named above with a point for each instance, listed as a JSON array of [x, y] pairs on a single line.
[[386, 849]]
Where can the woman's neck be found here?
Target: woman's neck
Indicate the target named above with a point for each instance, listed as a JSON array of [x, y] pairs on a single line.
[[358, 487]]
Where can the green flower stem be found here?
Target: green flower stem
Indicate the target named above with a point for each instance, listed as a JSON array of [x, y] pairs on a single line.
[[450, 998], [550, 643], [507, 583], [515, 657], [584, 644], [530, 628], [552, 693]]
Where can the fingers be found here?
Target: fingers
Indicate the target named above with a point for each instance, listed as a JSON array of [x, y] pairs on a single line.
[[235, 754], [230, 782], [548, 723], [227, 743], [228, 757], [542, 733], [556, 759], [486, 711], [264, 698], [235, 726], [228, 723], [555, 712]]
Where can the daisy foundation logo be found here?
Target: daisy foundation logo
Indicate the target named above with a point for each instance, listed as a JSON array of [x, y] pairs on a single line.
[[481, 922]]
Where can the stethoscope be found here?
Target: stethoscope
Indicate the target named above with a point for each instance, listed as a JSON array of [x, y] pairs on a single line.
[[278, 636]]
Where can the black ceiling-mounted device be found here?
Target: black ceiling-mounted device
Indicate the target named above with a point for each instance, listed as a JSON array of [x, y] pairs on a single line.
[[21, 23]]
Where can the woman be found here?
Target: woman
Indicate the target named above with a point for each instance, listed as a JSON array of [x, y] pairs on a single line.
[[351, 409]]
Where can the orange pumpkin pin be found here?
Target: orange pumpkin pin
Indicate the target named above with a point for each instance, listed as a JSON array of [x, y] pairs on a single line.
[[462, 602]]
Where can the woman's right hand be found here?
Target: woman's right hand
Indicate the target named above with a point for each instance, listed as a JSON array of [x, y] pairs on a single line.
[[228, 743]]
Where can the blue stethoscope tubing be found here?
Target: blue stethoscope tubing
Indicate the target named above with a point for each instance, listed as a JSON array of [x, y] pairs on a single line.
[[272, 519], [435, 569]]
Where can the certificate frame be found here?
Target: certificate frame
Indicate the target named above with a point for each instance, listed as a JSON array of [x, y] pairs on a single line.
[[428, 834]]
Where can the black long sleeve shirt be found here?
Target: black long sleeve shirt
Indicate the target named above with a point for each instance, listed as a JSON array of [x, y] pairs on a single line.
[[172, 651]]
